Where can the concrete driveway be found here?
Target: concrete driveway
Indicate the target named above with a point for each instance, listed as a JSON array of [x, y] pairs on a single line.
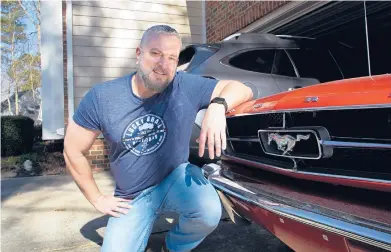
[[50, 214]]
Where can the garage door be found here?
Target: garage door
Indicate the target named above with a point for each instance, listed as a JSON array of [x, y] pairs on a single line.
[[345, 22]]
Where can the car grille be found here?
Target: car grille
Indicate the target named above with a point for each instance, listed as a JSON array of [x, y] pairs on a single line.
[[351, 125], [248, 126], [373, 124]]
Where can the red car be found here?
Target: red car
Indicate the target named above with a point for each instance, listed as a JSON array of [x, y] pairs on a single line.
[[312, 165]]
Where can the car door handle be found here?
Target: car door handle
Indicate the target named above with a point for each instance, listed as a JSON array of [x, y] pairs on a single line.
[[293, 88]]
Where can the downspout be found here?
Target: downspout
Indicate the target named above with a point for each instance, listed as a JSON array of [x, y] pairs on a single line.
[[71, 103], [203, 21]]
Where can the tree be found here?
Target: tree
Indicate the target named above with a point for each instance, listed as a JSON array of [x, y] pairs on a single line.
[[32, 10], [27, 67], [12, 38]]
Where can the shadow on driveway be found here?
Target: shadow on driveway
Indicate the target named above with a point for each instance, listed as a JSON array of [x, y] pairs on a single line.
[[228, 237], [89, 230]]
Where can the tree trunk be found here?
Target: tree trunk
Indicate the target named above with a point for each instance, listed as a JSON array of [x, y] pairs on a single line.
[[32, 86], [39, 37], [16, 101], [31, 77], [9, 105], [9, 101], [38, 25]]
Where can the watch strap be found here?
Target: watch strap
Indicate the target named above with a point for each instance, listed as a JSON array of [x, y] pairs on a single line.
[[220, 100]]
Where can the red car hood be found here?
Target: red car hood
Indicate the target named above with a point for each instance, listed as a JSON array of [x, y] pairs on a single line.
[[364, 91]]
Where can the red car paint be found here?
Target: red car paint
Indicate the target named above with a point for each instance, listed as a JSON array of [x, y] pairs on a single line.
[[364, 91], [299, 236]]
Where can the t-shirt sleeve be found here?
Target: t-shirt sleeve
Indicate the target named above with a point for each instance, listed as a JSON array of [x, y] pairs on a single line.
[[87, 113], [198, 89]]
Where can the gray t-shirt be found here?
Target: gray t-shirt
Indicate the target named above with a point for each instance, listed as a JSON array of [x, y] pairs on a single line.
[[148, 138]]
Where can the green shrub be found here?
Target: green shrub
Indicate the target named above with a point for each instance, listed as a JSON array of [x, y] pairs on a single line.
[[37, 133], [17, 135]]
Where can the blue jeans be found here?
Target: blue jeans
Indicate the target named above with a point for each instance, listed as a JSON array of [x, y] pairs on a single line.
[[185, 191]]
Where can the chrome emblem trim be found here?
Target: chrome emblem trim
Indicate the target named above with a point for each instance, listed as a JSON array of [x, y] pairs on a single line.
[[309, 109], [286, 143], [258, 106], [311, 99]]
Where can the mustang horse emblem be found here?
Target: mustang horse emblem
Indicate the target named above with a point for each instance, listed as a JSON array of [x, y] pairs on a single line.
[[286, 143]]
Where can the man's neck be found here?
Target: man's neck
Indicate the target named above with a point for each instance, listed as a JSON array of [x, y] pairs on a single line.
[[139, 88]]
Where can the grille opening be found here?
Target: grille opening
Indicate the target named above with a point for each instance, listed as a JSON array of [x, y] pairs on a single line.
[[353, 125], [248, 126], [354, 161]]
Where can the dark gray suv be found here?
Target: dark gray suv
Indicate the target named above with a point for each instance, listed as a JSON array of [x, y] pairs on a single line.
[[267, 63]]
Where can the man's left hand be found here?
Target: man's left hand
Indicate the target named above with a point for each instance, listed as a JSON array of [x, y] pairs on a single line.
[[213, 131]]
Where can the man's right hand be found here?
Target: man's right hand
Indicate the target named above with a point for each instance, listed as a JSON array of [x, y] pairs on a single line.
[[108, 204]]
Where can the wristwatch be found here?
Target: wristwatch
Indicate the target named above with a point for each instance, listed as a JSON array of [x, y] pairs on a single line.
[[220, 100]]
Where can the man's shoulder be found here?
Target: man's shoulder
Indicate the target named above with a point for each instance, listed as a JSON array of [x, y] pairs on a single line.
[[190, 78], [112, 86], [184, 77], [181, 74]]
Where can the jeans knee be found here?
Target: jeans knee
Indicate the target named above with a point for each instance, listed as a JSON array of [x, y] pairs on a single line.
[[207, 218], [212, 217]]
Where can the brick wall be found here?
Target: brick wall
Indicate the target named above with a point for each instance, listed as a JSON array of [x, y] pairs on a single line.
[[98, 154], [224, 18]]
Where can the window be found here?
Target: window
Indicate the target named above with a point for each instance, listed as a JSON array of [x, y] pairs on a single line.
[[194, 55], [315, 63], [283, 65], [260, 61], [185, 57]]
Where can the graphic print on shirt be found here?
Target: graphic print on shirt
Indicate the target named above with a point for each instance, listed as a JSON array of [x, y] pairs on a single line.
[[145, 134]]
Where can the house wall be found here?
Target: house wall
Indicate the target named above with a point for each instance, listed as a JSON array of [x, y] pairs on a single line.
[[105, 35], [224, 18]]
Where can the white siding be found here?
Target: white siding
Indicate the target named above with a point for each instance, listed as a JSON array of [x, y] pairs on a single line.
[[107, 33], [124, 33], [110, 42]]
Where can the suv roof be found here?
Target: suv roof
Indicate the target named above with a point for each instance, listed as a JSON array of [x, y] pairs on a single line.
[[270, 40], [252, 37]]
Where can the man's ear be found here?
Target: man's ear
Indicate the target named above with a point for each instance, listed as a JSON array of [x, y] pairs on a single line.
[[138, 53]]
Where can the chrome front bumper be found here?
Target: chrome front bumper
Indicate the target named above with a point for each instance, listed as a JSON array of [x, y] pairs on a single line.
[[349, 226]]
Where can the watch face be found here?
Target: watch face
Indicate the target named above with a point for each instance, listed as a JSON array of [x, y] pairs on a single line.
[[218, 99]]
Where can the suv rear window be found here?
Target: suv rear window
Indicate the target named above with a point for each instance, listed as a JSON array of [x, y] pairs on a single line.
[[282, 65], [315, 63], [260, 61], [193, 56]]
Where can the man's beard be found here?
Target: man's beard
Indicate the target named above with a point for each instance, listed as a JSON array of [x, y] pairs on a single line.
[[149, 84]]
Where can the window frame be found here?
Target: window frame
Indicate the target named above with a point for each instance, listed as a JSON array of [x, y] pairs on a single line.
[[283, 50], [327, 51], [226, 60]]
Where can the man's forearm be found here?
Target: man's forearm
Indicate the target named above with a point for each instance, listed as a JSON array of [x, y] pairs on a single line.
[[235, 93], [81, 172]]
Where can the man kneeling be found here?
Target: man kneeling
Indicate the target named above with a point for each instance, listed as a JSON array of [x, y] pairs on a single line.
[[146, 117]]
